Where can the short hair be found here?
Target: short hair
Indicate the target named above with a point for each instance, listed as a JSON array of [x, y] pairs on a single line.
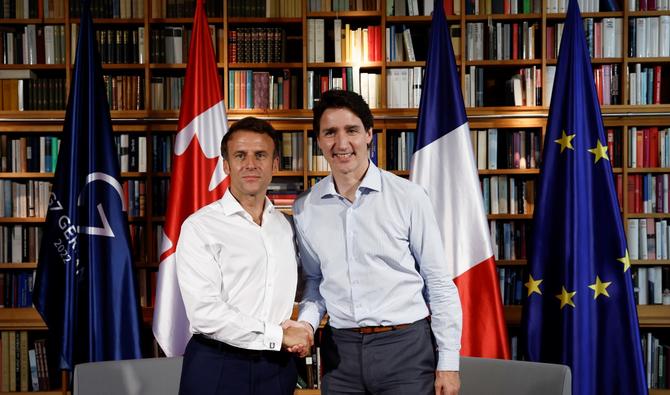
[[337, 98], [250, 124]]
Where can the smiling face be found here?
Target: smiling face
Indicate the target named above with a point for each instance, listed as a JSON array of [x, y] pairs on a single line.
[[344, 142], [250, 163]]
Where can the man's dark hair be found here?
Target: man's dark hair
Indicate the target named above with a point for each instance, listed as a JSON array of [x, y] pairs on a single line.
[[337, 98], [250, 124]]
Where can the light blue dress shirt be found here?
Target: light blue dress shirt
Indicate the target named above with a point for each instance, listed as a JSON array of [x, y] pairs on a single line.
[[377, 261]]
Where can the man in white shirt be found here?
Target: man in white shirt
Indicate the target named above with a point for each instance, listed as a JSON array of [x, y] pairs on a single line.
[[372, 257], [237, 272]]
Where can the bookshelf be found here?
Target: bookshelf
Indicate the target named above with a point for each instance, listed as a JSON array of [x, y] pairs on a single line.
[[505, 83]]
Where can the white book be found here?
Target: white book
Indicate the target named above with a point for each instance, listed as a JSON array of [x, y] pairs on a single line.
[[641, 37], [632, 89], [494, 238], [403, 92], [495, 208], [337, 33], [664, 36], [642, 283], [311, 40], [356, 72], [482, 144], [608, 38], [178, 33], [417, 87], [428, 7], [643, 239], [513, 199], [632, 237], [493, 148], [409, 47], [652, 36], [388, 44], [365, 88]]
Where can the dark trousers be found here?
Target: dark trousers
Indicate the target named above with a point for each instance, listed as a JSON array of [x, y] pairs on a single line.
[[211, 367], [391, 363]]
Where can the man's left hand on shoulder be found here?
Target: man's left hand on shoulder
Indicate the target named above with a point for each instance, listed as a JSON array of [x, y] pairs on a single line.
[[447, 382]]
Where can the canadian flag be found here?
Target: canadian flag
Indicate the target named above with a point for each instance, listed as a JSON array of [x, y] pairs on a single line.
[[444, 165], [197, 178]]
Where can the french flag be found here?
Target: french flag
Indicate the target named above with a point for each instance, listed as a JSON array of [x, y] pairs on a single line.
[[443, 163], [197, 179]]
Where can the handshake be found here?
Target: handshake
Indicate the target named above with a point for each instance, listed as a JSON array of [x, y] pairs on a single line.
[[298, 337]]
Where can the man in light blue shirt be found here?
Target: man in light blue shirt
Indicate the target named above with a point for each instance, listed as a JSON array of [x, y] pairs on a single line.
[[372, 258]]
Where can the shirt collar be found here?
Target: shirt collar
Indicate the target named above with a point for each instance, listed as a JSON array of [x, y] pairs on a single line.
[[372, 181], [231, 206]]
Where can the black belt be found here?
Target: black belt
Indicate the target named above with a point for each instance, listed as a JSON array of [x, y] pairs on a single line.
[[221, 346]]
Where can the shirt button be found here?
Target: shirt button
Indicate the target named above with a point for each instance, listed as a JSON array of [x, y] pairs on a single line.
[[272, 345]]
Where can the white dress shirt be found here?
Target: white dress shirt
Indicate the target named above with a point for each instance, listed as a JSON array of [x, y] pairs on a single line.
[[377, 261], [237, 279]]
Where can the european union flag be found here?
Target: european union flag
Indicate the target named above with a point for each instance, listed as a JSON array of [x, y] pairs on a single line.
[[580, 309], [84, 286]]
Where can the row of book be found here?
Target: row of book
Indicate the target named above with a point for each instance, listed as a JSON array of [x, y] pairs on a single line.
[[161, 153], [409, 7], [248, 89], [652, 284], [166, 92], [16, 288], [508, 195], [28, 154], [347, 44], [315, 159], [404, 87], [511, 280], [124, 45], [124, 9], [344, 5], [656, 356], [506, 148], [124, 92], [648, 193], [25, 198], [184, 8], [649, 37], [399, 150], [503, 87], [291, 151], [607, 80], [19, 243], [257, 45], [33, 44], [647, 238], [648, 147], [18, 9], [400, 43], [23, 362], [134, 193], [132, 152], [603, 38], [508, 238], [645, 86], [614, 146], [489, 7], [503, 40], [43, 94], [368, 85], [265, 8], [648, 5]]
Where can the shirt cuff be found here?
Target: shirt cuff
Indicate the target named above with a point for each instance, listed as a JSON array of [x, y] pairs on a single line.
[[310, 316], [273, 337], [448, 360]]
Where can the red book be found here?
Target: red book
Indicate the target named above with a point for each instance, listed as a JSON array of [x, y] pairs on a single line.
[[610, 146], [645, 147], [619, 190], [657, 84], [653, 147]]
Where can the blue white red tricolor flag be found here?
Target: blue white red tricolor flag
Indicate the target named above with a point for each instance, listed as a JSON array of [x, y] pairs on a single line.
[[197, 179], [443, 163]]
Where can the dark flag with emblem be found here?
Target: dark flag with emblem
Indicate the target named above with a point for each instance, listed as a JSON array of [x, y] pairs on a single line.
[[580, 309], [84, 286]]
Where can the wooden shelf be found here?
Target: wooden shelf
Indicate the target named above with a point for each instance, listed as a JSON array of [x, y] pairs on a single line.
[[650, 316], [21, 318]]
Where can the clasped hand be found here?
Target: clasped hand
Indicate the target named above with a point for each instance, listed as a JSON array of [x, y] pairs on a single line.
[[298, 337]]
